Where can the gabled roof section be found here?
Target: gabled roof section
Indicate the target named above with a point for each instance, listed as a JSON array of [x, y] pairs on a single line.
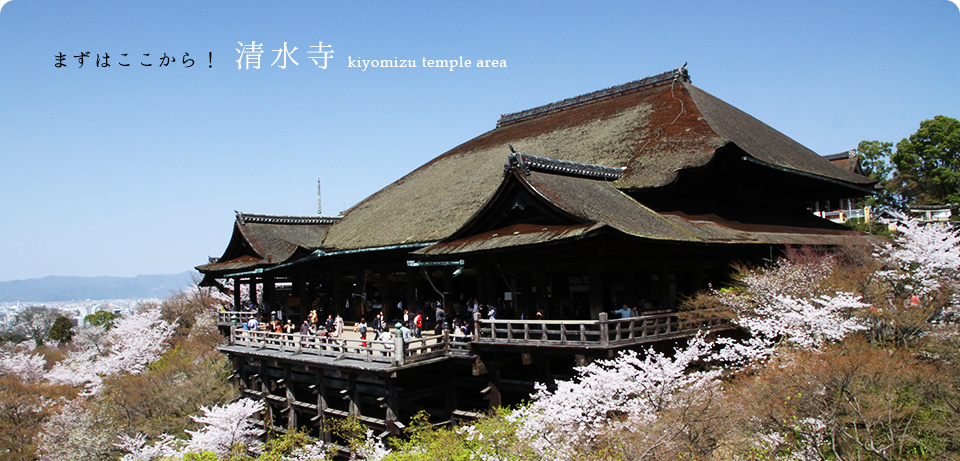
[[763, 142], [260, 240], [848, 160], [556, 204], [582, 206]]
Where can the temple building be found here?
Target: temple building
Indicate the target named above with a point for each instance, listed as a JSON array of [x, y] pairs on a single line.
[[644, 191], [639, 194]]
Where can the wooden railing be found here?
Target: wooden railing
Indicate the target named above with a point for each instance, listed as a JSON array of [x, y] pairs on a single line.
[[225, 317], [602, 333], [587, 334], [366, 350]]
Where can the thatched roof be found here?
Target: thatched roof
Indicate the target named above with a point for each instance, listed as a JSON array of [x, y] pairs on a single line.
[[571, 206], [652, 128]]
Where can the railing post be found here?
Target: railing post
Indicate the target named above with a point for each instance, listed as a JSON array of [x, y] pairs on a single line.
[[233, 332], [446, 342], [398, 348], [476, 326], [604, 329]]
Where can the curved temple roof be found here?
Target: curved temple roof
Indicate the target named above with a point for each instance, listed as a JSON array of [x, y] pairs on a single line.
[[260, 239], [650, 129]]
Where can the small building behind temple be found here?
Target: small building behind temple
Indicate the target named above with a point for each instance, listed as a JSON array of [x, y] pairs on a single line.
[[642, 191]]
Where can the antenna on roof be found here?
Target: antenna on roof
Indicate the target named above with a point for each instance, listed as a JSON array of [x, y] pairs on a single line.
[[319, 208]]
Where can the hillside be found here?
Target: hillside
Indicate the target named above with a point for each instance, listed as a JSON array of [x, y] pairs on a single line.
[[58, 288]]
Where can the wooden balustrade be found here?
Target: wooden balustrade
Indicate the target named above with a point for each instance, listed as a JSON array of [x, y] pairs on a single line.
[[602, 333], [366, 350], [589, 334], [225, 317]]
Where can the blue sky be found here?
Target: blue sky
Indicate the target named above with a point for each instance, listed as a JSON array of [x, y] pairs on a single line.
[[137, 170]]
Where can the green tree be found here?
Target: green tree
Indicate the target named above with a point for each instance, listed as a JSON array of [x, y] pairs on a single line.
[[875, 161], [103, 319], [62, 330], [928, 163]]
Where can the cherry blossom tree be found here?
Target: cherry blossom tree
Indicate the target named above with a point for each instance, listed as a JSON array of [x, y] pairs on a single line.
[[614, 394], [222, 428], [922, 259], [76, 432], [225, 426], [133, 343], [27, 367]]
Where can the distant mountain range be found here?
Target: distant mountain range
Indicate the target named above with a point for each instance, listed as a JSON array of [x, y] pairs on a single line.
[[56, 288]]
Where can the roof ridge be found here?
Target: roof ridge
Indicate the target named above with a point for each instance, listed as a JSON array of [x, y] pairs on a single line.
[[842, 155], [680, 74], [244, 218], [526, 162]]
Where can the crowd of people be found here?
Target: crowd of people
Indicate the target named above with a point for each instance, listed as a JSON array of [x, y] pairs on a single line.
[[410, 324]]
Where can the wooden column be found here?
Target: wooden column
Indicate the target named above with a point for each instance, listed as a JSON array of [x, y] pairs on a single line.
[[631, 285], [356, 299], [337, 294], [543, 295], [481, 287], [354, 394], [664, 280], [269, 293], [392, 407], [236, 294], [303, 296], [596, 291], [411, 294], [561, 296], [321, 390], [447, 288], [288, 392], [385, 296]]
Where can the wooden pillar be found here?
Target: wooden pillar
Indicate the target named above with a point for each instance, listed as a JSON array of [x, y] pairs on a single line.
[[240, 371], [524, 305], [561, 296], [664, 280], [321, 390], [631, 285], [411, 294], [359, 288], [543, 293], [290, 410], [481, 286], [303, 298], [337, 294], [385, 295], [392, 407], [596, 291], [447, 290], [269, 292], [236, 294], [354, 394], [451, 396]]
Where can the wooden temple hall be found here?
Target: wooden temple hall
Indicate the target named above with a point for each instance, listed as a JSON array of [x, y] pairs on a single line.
[[638, 194]]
